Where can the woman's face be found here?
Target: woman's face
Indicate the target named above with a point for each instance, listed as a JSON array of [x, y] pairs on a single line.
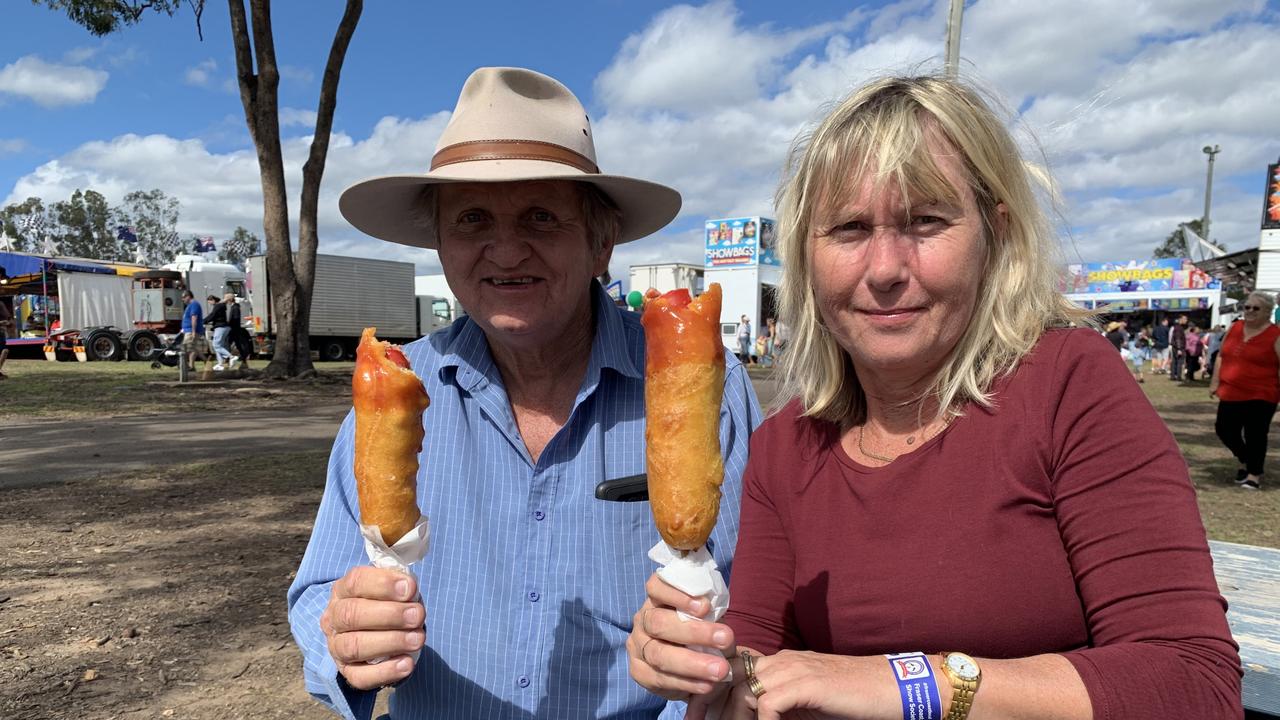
[[897, 290]]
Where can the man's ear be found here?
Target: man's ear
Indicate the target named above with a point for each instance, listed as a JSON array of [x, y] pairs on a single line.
[[603, 256]]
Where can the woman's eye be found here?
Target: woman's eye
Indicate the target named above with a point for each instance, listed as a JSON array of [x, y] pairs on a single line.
[[849, 228], [920, 220]]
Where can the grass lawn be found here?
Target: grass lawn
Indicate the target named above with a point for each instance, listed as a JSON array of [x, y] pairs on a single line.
[[70, 390]]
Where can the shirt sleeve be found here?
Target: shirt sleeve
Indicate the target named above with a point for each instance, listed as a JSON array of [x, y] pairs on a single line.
[[335, 547], [1127, 513]]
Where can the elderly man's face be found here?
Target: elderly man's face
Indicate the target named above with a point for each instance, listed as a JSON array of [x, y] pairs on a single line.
[[518, 258]]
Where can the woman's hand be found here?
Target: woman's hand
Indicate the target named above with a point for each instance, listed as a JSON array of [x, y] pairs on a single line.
[[661, 662], [814, 685]]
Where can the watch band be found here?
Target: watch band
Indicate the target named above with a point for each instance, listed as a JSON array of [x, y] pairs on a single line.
[[962, 694]]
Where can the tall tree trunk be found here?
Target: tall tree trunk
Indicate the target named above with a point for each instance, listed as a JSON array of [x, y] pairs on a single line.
[[291, 283], [313, 169], [258, 94]]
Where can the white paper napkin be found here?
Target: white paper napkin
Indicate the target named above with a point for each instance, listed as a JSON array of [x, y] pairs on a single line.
[[408, 550], [693, 574]]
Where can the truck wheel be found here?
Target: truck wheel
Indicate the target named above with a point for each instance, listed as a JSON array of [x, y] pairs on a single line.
[[104, 345], [142, 345], [333, 350]]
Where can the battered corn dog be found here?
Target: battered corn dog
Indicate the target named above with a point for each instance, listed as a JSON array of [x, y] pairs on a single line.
[[389, 400], [684, 384]]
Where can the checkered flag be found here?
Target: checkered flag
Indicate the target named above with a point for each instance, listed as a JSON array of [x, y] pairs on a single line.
[[235, 247], [172, 241], [33, 224]]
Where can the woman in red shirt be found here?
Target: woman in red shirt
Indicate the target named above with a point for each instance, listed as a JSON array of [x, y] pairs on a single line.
[[958, 474], [1246, 381]]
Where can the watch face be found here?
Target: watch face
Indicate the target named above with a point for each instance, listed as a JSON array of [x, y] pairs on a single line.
[[963, 666]]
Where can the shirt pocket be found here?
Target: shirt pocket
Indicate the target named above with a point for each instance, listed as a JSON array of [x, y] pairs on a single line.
[[616, 563]]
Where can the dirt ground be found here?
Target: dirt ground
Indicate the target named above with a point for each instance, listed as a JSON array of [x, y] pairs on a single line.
[[156, 595]]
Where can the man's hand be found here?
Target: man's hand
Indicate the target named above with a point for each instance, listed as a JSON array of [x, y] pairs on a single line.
[[372, 614]]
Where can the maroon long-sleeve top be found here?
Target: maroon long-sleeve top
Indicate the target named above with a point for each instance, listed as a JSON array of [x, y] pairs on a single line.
[[1062, 520]]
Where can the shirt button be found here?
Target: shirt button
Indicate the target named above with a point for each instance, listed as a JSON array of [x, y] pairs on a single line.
[[534, 596], [539, 515], [523, 681]]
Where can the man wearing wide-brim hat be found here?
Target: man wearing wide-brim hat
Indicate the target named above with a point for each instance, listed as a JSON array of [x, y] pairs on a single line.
[[537, 396]]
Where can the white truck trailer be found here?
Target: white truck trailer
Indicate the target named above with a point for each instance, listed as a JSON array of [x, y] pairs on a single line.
[[349, 295], [665, 277]]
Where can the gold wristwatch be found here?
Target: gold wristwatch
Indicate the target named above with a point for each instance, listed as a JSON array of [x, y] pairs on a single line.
[[963, 673]]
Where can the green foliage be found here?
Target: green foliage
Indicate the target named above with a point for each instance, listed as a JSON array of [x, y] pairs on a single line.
[[103, 17], [82, 226]]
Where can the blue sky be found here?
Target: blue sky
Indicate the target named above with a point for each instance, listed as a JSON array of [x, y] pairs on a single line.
[[704, 97]]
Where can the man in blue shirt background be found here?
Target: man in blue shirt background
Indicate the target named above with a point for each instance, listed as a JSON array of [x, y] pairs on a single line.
[[192, 329], [537, 395]]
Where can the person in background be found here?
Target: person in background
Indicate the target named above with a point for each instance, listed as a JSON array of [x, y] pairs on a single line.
[[1213, 343], [1195, 348], [1246, 382], [781, 338], [959, 477], [537, 396], [744, 341], [1139, 347], [237, 336], [6, 325], [216, 320], [1160, 347], [1117, 336], [1178, 348], [193, 343]]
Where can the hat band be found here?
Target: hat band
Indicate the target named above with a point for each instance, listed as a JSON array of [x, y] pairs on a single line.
[[474, 150]]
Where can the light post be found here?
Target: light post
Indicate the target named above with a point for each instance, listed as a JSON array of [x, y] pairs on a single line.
[[1208, 191], [953, 38]]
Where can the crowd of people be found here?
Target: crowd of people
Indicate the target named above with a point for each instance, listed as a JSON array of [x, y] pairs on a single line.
[[1181, 351], [950, 515]]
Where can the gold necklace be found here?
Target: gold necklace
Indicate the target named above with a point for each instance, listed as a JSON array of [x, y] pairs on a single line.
[[910, 440]]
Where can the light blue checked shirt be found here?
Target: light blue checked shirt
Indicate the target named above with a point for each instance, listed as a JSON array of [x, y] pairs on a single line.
[[531, 582]]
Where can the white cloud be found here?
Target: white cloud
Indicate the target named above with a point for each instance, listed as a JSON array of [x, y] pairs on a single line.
[[297, 116], [50, 84], [201, 74], [12, 145], [76, 56], [300, 75]]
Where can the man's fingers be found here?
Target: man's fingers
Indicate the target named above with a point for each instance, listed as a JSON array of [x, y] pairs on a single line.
[[354, 614], [363, 676], [373, 583], [354, 647], [661, 594], [666, 625]]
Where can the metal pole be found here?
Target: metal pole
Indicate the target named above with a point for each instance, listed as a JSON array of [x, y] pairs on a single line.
[[953, 38], [1208, 190]]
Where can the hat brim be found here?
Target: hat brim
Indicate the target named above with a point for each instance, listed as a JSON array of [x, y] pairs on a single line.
[[387, 207]]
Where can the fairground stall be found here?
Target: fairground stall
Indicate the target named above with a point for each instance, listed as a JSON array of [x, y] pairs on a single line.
[[1141, 292]]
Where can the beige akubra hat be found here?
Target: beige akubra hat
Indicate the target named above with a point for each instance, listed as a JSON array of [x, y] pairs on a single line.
[[510, 124]]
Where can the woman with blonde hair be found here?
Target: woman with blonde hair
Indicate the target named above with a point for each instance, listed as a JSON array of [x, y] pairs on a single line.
[[1246, 382], [948, 519]]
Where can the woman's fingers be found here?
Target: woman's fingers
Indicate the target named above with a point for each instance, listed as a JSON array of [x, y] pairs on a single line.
[[356, 647]]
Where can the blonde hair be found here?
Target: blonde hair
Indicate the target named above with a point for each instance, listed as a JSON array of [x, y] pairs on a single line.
[[881, 132]]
